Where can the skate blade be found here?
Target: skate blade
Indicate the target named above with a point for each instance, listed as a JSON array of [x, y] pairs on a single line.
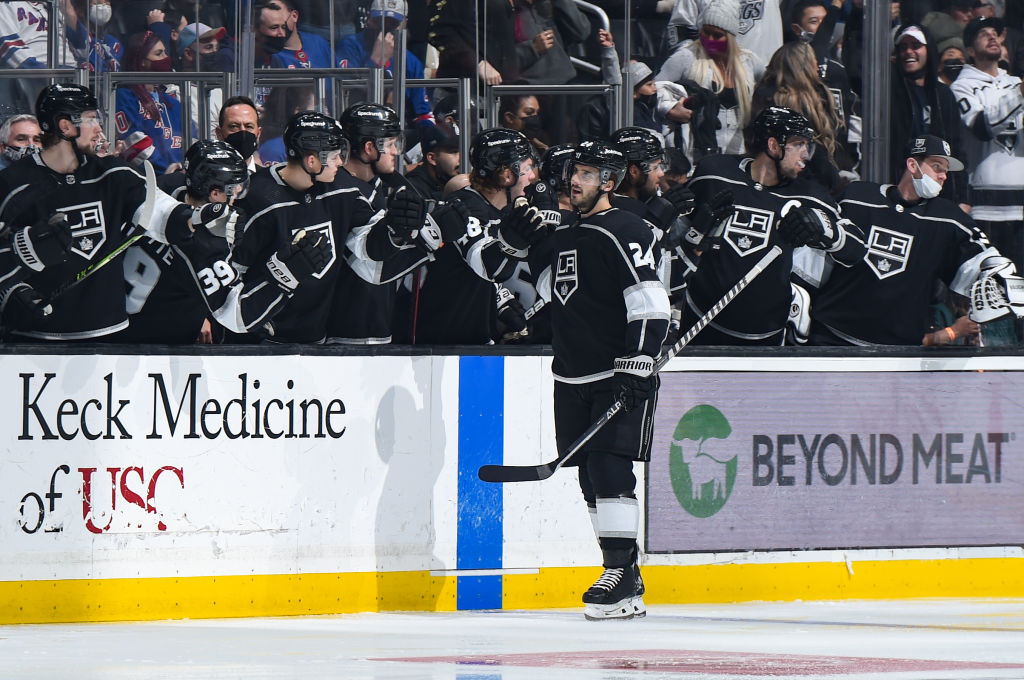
[[620, 611]]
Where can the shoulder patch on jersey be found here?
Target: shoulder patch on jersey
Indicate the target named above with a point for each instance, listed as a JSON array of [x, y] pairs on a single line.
[[749, 229], [888, 251], [566, 279]]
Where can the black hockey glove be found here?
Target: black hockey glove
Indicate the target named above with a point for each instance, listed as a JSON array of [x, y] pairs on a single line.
[[511, 313], [803, 226], [406, 214], [522, 227], [43, 244], [298, 261], [452, 217], [542, 197], [635, 380], [707, 222], [22, 303], [682, 198]]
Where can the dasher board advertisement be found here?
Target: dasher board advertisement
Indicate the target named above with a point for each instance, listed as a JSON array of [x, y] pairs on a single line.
[[798, 461]]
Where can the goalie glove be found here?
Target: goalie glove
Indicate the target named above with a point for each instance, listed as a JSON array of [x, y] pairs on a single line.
[[798, 325], [298, 261], [406, 215], [635, 380], [519, 229], [802, 226], [991, 298], [43, 244]]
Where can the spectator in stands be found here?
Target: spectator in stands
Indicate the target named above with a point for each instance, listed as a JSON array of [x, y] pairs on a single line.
[[952, 57], [461, 35], [792, 81], [105, 50], [280, 45], [716, 62], [923, 105], [204, 54], [813, 23], [950, 23], [19, 136], [150, 109], [760, 26], [521, 112], [238, 124], [544, 29], [375, 47], [283, 102], [23, 45], [168, 25], [992, 105]]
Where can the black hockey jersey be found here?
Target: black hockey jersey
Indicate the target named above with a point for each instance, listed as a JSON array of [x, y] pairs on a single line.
[[761, 310], [456, 304], [277, 212], [364, 300], [885, 297], [101, 199], [607, 300]]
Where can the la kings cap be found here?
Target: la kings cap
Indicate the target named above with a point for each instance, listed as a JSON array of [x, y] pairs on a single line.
[[930, 145], [975, 26]]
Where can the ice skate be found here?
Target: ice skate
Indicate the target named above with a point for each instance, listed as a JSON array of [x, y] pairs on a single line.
[[617, 594]]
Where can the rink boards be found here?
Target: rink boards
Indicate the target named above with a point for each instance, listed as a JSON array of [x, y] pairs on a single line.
[[185, 486]]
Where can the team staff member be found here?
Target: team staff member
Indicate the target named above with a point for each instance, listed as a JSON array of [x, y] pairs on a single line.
[[97, 198], [764, 187], [913, 237]]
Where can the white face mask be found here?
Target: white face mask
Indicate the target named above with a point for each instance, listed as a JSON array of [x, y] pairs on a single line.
[[926, 186], [100, 14]]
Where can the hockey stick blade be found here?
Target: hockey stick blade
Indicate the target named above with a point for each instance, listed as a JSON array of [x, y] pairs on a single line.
[[533, 473], [143, 222]]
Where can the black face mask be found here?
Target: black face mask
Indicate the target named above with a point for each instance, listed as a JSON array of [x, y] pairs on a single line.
[[648, 100], [274, 44], [952, 68], [243, 141], [532, 125]]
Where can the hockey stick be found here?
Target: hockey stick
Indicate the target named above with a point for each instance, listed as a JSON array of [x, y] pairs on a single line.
[[144, 220], [532, 473]]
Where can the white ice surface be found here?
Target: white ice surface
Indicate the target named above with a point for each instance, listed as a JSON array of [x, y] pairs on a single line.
[[352, 646]]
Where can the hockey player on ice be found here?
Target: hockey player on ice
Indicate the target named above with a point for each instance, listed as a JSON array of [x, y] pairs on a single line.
[[913, 237], [65, 209], [764, 186], [610, 314], [173, 290]]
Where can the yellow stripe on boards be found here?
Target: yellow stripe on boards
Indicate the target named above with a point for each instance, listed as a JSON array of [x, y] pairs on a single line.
[[306, 594], [147, 599]]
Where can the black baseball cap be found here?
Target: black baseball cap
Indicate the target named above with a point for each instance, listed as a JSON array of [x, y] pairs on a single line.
[[433, 138], [930, 145], [975, 25]]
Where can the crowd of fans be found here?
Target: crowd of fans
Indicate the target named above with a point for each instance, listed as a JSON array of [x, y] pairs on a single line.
[[700, 71]]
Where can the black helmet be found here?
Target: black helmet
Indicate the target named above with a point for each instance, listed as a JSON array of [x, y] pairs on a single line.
[[641, 146], [780, 123], [553, 165], [498, 148], [606, 158], [213, 165], [370, 122], [312, 132], [63, 100]]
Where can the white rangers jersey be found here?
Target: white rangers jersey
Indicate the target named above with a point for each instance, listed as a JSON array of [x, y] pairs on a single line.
[[992, 107], [23, 31]]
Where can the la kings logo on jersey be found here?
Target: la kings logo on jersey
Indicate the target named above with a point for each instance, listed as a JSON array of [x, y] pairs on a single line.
[[750, 12], [888, 251], [88, 228], [748, 229], [324, 230], [566, 280]]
